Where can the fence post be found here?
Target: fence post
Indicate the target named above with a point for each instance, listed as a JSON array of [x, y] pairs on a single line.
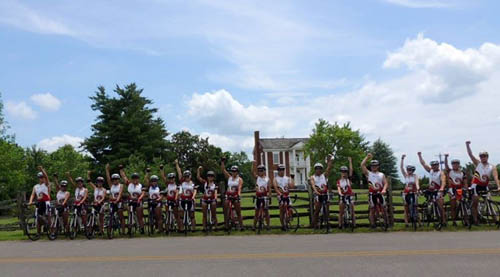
[[20, 210], [311, 202], [390, 208]]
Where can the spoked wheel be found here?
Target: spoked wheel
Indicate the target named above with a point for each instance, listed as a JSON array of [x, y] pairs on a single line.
[[151, 224], [110, 227], [132, 227], [73, 233], [31, 228], [292, 222], [351, 218], [438, 223], [90, 229], [55, 229], [414, 217], [326, 220]]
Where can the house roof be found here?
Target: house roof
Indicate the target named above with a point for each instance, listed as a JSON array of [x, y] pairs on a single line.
[[281, 143]]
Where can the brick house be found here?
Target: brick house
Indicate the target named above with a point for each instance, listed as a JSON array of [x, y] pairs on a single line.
[[288, 151]]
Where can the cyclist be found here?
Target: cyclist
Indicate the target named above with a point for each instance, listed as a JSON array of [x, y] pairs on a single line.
[[99, 197], [344, 188], [209, 196], [135, 196], [233, 192], [81, 194], [319, 184], [437, 182], [377, 185], [187, 192], [457, 181], [262, 189], [62, 198], [41, 193], [155, 197], [282, 185], [172, 192], [411, 185], [484, 171], [115, 197]]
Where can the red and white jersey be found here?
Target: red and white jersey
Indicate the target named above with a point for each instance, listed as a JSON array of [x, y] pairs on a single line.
[[42, 192], [171, 191], [434, 180], [233, 184], [410, 183], [80, 194], [321, 183], [482, 174], [99, 194], [284, 184], [187, 190], [345, 186], [375, 181], [209, 191], [134, 190], [154, 192], [262, 186], [61, 196], [456, 179]]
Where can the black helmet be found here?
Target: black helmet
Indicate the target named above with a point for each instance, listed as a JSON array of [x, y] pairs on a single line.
[[135, 175]]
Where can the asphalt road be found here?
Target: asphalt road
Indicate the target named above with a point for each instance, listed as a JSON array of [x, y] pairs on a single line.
[[370, 254]]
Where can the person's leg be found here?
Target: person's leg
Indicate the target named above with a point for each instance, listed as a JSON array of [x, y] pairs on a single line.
[[122, 219], [140, 216], [441, 209], [159, 219], [453, 206], [213, 208], [204, 207], [227, 216], [101, 220], [66, 221], [237, 206], [257, 211], [191, 214], [341, 214]]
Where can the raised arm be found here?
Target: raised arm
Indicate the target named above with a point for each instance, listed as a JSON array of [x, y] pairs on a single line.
[[56, 181], [443, 181], [224, 170], [402, 165], [146, 177], [446, 166], [417, 182], [179, 170], [474, 160], [363, 164], [329, 165], [108, 176], [46, 176], [198, 175], [254, 169], [70, 179], [422, 162], [162, 174], [124, 175], [89, 180], [351, 169]]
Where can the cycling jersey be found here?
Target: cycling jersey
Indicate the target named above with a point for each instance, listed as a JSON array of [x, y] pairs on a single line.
[[134, 190], [233, 185], [434, 180], [321, 183], [187, 190], [209, 191], [42, 192], [410, 183], [284, 185], [375, 181], [79, 195], [456, 179], [482, 174], [345, 186], [115, 190], [154, 192], [171, 191], [99, 194], [61, 196], [262, 186]]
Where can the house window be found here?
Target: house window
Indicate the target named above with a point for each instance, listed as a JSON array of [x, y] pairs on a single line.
[[276, 157]]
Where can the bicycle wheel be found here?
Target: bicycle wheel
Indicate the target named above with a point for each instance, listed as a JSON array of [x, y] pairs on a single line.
[[90, 228], [493, 212], [186, 221], [438, 224], [74, 226], [385, 219], [293, 219], [326, 219], [110, 227], [352, 221], [54, 228], [131, 224], [31, 228], [150, 223]]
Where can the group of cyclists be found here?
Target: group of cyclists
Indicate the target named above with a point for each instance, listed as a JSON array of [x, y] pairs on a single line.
[[179, 195]]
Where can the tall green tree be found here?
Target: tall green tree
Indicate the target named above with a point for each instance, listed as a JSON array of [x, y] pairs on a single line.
[[4, 126], [12, 169], [126, 125], [342, 140], [382, 152], [67, 159]]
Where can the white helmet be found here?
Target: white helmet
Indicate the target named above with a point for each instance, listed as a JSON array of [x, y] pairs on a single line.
[[318, 165]]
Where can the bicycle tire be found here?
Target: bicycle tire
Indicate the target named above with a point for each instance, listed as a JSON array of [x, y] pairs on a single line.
[[54, 229], [326, 219], [494, 211], [110, 227], [31, 229], [73, 233], [89, 229]]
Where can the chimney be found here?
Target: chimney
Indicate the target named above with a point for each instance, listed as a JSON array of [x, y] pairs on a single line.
[[256, 148]]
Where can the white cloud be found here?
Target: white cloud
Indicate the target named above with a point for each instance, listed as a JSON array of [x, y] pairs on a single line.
[[424, 3], [230, 143], [20, 109], [47, 101], [53, 143]]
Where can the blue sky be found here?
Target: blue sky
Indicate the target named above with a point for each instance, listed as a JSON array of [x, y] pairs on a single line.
[[420, 74]]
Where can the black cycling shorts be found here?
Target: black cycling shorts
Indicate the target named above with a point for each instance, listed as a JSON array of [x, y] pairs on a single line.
[[376, 198], [261, 201], [189, 203]]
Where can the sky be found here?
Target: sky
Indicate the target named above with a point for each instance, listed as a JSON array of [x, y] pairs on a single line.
[[422, 75]]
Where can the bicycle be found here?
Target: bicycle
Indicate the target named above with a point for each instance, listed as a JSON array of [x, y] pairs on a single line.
[[260, 212], [114, 222], [32, 224], [92, 223], [380, 216], [57, 224], [170, 222], [76, 222], [152, 221], [210, 222], [291, 214], [348, 218], [232, 216], [132, 218], [324, 216], [432, 210], [186, 220], [488, 210], [464, 208], [413, 209]]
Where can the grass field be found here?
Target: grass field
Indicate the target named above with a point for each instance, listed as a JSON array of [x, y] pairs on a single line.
[[247, 201]]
